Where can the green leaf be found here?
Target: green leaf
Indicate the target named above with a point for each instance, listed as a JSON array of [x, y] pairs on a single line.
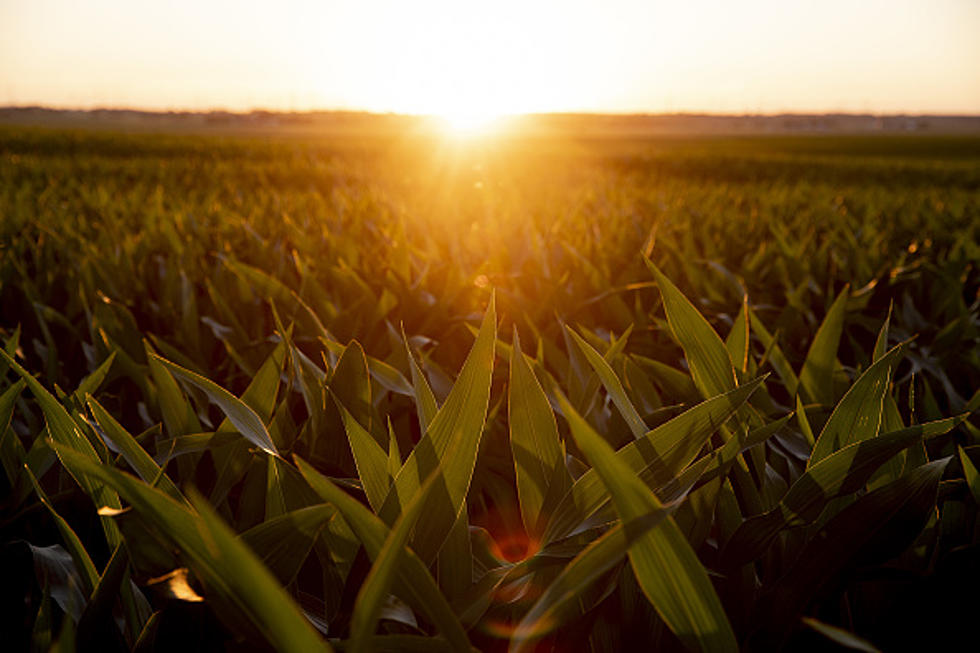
[[601, 555], [307, 375], [640, 387], [841, 473], [774, 354], [455, 561], [178, 413], [41, 630], [229, 568], [83, 563], [804, 423], [457, 428], [881, 343], [242, 417], [539, 458], [666, 567], [970, 474], [56, 570], [858, 414], [66, 432], [370, 459], [92, 382], [285, 487], [171, 448], [675, 383], [415, 584], [657, 458], [132, 452], [11, 346], [817, 374], [350, 385], [371, 595], [877, 526], [386, 375], [891, 420], [737, 341], [425, 400], [283, 543], [11, 450], [96, 626], [707, 356], [612, 384], [260, 395], [695, 516]]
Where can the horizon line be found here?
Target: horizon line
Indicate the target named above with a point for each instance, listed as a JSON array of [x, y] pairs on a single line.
[[569, 113]]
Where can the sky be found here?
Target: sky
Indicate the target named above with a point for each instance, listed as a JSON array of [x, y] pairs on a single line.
[[459, 57]]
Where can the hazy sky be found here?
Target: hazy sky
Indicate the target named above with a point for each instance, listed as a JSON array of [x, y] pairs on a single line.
[[435, 56]]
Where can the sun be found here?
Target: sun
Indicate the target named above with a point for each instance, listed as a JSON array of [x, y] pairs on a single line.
[[470, 122]]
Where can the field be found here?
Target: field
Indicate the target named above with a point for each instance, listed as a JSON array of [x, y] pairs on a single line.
[[548, 392]]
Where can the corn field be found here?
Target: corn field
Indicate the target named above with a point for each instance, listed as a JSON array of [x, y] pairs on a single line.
[[565, 394]]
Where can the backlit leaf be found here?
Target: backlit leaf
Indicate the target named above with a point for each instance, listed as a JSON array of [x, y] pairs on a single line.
[[241, 416], [665, 565]]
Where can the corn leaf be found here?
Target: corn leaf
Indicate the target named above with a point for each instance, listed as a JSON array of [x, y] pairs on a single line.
[[178, 413], [539, 458], [601, 555], [737, 341], [970, 474], [774, 354], [66, 432], [707, 356], [350, 385], [816, 376], [262, 390], [612, 384], [457, 428], [425, 400], [229, 568], [415, 584], [137, 457], [666, 567], [367, 606], [242, 417], [92, 382], [11, 450], [370, 458], [858, 414], [658, 457], [876, 526], [283, 543], [83, 563], [841, 473]]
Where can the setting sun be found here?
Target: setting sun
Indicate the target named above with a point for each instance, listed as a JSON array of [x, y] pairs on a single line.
[[469, 123]]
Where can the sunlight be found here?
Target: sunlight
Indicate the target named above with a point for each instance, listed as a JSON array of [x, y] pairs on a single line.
[[460, 64], [469, 123]]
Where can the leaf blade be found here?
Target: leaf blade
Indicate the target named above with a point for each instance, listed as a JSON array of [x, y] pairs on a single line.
[[248, 423], [666, 567]]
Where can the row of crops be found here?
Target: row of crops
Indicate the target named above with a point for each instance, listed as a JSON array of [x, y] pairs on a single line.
[[553, 394]]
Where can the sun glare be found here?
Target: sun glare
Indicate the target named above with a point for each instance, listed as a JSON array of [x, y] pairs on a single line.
[[470, 123]]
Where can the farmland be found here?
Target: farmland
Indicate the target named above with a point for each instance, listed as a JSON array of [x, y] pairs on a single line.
[[544, 392]]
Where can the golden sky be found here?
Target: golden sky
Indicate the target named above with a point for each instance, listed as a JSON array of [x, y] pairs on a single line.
[[490, 57]]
